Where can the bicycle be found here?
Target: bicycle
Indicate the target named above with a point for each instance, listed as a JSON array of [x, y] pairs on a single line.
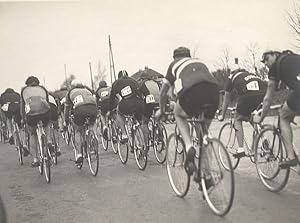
[[135, 141], [54, 142], [269, 152], [3, 131], [44, 154], [88, 147], [227, 135], [209, 176], [157, 139], [18, 141]]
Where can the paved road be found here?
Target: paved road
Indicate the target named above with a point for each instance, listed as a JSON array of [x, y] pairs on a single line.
[[122, 193]]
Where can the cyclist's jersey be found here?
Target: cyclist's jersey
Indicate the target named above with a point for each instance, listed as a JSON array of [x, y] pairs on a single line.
[[125, 87], [103, 93], [78, 96], [150, 89], [287, 69], [8, 98], [35, 100], [245, 83], [184, 73]]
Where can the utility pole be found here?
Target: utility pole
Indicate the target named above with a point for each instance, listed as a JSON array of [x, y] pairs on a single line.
[[111, 63], [65, 67], [92, 82]]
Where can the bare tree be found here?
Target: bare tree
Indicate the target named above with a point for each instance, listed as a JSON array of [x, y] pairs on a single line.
[[223, 62], [294, 22], [101, 73]]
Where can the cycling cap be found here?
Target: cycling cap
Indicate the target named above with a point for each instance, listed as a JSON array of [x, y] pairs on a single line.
[[181, 52], [102, 84], [32, 80], [122, 73], [76, 83]]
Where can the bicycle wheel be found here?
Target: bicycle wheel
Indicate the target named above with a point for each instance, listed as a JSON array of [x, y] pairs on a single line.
[[122, 148], [18, 143], [140, 149], [114, 137], [93, 153], [175, 156], [40, 157], [217, 181], [46, 159], [269, 151], [53, 155], [160, 142], [227, 137]]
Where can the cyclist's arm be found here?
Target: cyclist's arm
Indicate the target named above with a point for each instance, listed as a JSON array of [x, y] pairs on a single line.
[[163, 97], [268, 98]]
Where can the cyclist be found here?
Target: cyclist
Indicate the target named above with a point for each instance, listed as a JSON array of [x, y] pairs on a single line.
[[59, 96], [54, 115], [149, 88], [35, 107], [131, 102], [250, 90], [285, 67], [10, 104], [194, 86], [81, 100], [103, 94]]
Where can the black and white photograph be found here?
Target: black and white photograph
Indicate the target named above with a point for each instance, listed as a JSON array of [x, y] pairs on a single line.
[[160, 111]]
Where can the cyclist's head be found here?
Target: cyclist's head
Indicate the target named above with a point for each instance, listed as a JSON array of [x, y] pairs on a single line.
[[102, 84], [181, 52], [122, 73], [32, 81], [76, 83], [9, 90], [269, 57]]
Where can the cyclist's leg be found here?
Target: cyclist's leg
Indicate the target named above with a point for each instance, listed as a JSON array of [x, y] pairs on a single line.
[[287, 115], [10, 129], [122, 110]]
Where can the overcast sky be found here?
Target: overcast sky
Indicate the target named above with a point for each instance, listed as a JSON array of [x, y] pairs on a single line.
[[38, 38]]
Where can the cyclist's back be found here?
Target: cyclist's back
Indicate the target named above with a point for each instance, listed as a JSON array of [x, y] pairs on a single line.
[[81, 99]]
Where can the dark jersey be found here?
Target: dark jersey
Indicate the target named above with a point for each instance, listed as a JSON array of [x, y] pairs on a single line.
[[10, 97], [78, 96], [103, 93], [245, 83], [287, 69], [184, 73], [125, 87]]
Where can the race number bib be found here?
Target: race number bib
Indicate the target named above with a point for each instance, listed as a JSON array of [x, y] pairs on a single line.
[[150, 99], [178, 86], [5, 107], [27, 108], [78, 99], [126, 91], [104, 94], [252, 86]]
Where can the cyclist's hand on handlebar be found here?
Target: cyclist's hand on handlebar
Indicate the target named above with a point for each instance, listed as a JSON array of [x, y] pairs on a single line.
[[220, 118]]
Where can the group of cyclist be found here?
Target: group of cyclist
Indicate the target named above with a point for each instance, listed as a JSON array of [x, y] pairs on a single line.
[[195, 91]]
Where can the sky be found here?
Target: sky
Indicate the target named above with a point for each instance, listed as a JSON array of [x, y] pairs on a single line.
[[38, 38]]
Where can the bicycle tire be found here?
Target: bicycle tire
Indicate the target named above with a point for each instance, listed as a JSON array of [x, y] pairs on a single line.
[[54, 144], [140, 149], [18, 142], [229, 143], [114, 137], [93, 153], [175, 157], [46, 159], [264, 149], [122, 148], [40, 157], [160, 143], [219, 202]]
